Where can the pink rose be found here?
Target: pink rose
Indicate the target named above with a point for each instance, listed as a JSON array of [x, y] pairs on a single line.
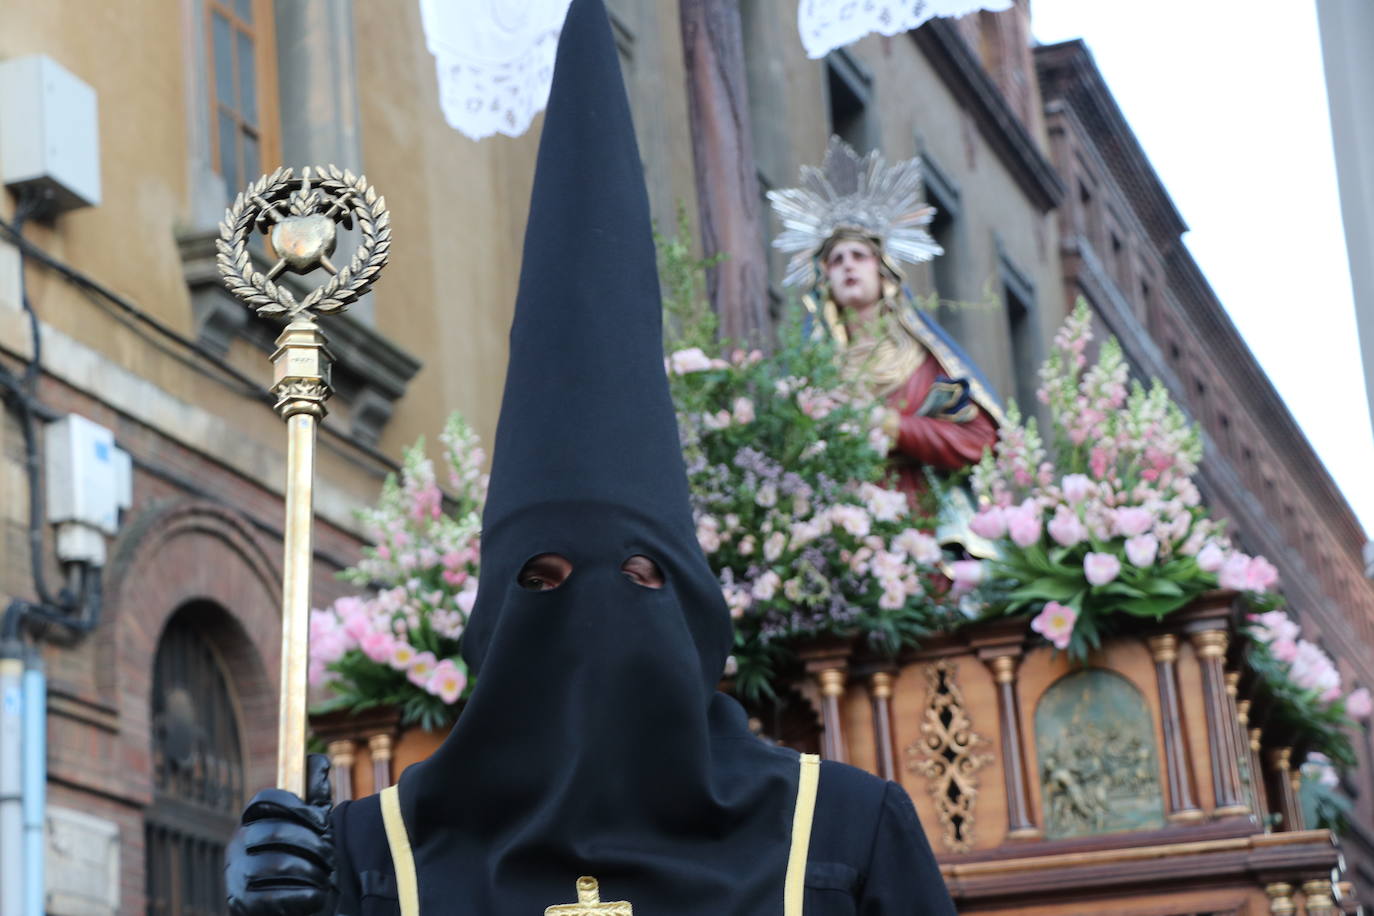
[[1077, 487], [1066, 528], [744, 410], [1101, 568], [1023, 525], [447, 681], [1055, 623], [1285, 650], [1261, 575], [1358, 705], [990, 522], [1233, 572], [1131, 521], [1210, 557], [690, 360], [766, 586], [1142, 549]]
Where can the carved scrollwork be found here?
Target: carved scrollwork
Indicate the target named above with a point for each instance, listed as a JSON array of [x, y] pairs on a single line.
[[946, 755]]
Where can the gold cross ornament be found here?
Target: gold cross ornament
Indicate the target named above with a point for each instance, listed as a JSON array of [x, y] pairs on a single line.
[[589, 903]]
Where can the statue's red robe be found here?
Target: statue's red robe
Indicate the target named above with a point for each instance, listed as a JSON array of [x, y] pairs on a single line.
[[935, 441]]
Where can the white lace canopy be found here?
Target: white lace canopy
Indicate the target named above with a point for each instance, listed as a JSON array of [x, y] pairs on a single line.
[[828, 24]]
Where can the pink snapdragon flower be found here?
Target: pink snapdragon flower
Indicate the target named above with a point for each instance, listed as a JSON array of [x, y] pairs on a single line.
[[1101, 568], [1055, 623], [1142, 549], [1273, 627], [1358, 705], [447, 681], [1066, 527]]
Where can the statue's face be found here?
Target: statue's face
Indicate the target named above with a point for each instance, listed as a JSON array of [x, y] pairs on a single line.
[[851, 269]]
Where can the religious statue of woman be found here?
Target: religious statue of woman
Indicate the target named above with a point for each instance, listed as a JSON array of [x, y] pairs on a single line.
[[847, 226]]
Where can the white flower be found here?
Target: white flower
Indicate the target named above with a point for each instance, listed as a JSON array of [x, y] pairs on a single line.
[[690, 360], [765, 586], [772, 548]]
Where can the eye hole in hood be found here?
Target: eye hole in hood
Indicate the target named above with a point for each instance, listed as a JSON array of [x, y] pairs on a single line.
[[544, 573], [642, 571]]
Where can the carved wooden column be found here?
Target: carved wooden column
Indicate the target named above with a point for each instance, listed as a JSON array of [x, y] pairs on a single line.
[[341, 770], [880, 690], [831, 681], [1281, 899], [1252, 746], [1221, 731], [1240, 740], [380, 746], [1177, 766], [1020, 825], [1281, 767], [1318, 898]]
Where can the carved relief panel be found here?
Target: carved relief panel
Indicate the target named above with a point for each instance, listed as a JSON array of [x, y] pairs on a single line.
[[1098, 765]]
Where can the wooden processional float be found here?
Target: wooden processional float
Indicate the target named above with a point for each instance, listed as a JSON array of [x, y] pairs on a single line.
[[1145, 782]]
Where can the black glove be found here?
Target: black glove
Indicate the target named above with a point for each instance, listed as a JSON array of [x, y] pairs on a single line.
[[281, 859]]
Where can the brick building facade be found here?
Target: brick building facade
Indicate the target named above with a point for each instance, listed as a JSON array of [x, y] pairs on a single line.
[[1043, 193]]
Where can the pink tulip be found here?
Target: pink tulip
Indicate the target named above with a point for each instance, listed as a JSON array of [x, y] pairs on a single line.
[[966, 573], [1023, 525], [1358, 705], [1131, 521], [1066, 528], [1285, 650], [1260, 575], [1055, 623], [990, 522], [1233, 572], [1101, 568], [420, 669], [1210, 557], [1077, 487], [447, 681], [378, 645], [1142, 549]]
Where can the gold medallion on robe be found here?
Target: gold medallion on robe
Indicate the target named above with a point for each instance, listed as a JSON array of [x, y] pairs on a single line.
[[589, 903]]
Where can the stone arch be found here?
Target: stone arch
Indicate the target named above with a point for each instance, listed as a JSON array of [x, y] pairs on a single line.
[[1097, 755], [169, 557]]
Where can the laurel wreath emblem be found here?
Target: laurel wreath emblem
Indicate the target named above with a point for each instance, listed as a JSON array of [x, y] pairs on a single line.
[[344, 197]]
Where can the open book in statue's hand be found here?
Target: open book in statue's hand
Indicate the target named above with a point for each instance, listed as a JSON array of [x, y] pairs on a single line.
[[281, 859]]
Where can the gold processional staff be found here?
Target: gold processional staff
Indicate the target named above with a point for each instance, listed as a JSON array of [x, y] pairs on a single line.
[[301, 215]]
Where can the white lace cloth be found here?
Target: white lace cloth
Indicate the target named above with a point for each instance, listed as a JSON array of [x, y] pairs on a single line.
[[494, 59], [828, 24]]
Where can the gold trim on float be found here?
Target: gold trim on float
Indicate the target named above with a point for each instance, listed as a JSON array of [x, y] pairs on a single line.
[[794, 889], [402, 858]]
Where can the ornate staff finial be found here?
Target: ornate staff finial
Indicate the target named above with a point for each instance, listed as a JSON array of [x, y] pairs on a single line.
[[589, 903], [302, 216]]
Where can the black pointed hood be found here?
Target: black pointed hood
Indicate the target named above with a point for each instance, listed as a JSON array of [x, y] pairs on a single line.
[[594, 742]]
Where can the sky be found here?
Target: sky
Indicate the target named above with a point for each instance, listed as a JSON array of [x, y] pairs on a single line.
[[1228, 99]]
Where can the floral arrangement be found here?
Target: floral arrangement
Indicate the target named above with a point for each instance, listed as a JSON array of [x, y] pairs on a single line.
[[1113, 524], [786, 462], [1302, 690], [398, 644]]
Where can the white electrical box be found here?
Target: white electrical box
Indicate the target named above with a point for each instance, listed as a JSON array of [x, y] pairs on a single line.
[[89, 479], [49, 133]]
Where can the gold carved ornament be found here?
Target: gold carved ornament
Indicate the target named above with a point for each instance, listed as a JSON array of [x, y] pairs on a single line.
[[302, 215], [945, 755]]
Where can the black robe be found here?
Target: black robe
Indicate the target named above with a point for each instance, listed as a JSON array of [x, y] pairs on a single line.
[[868, 854]]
